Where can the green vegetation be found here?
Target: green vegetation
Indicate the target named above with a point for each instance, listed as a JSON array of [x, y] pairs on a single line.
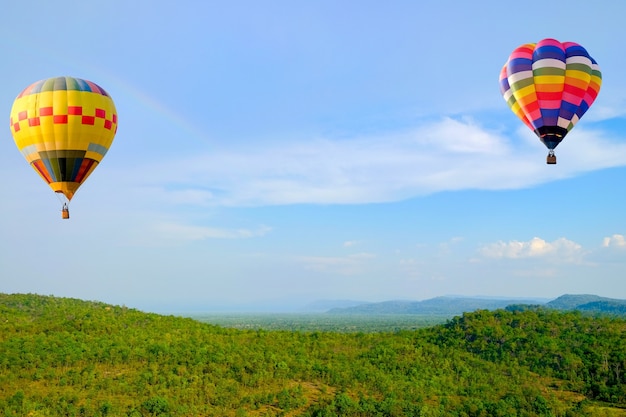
[[324, 322], [67, 357]]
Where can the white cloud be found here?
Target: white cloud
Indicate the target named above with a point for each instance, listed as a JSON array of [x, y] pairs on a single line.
[[451, 242], [562, 249], [615, 241], [446, 136], [188, 232], [159, 233], [449, 154]]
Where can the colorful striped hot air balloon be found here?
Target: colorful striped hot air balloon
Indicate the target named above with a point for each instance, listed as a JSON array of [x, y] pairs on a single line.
[[63, 126], [549, 85]]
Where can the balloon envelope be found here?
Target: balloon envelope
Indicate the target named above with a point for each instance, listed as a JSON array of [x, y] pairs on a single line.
[[549, 85], [63, 126]]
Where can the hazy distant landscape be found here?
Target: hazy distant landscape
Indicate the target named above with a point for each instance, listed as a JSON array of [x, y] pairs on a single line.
[[344, 315], [452, 305], [322, 322]]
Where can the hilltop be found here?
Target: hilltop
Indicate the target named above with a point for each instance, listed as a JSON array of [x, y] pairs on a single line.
[[62, 356], [587, 302]]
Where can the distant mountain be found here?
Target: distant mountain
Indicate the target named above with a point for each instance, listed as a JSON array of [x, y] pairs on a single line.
[[434, 306], [457, 305], [576, 301], [322, 306], [571, 301], [589, 303]]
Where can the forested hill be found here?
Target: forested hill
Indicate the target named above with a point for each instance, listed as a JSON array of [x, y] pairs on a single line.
[[451, 306], [589, 303], [67, 357]]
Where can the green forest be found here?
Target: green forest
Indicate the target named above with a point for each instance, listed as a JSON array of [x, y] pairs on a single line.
[[69, 357]]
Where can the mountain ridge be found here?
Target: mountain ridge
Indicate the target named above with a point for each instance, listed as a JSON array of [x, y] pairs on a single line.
[[453, 305]]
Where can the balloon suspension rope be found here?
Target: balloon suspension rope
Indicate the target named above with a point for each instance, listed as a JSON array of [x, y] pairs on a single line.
[[65, 212]]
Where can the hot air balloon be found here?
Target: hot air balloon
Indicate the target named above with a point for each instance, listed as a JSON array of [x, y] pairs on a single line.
[[63, 126], [549, 85]]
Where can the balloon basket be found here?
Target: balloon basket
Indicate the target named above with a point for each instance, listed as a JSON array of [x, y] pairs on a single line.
[[551, 160], [65, 213]]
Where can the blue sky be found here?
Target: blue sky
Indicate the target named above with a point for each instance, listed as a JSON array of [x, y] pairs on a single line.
[[274, 153]]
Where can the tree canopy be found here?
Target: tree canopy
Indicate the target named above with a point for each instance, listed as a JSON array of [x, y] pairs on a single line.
[[61, 356]]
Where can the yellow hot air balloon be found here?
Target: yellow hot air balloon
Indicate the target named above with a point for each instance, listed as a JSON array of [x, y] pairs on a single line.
[[63, 126]]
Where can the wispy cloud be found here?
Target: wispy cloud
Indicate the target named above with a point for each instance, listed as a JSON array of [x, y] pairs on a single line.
[[189, 232], [448, 154], [155, 232], [342, 265]]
